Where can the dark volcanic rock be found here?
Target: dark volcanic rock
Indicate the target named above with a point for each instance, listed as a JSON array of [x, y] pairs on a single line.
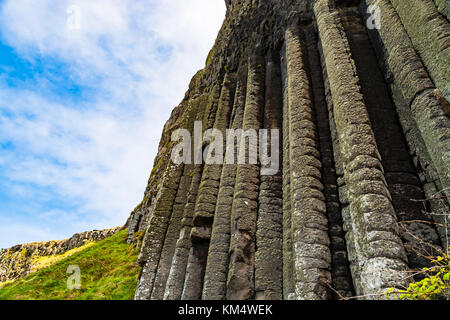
[[362, 108]]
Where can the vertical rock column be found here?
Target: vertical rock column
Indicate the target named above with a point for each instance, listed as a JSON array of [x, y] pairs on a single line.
[[172, 234], [269, 253], [342, 187], [240, 283], [340, 272], [157, 229], [175, 282], [209, 186], [430, 33], [417, 231], [165, 215], [207, 198], [288, 261], [420, 106], [379, 250], [218, 255], [312, 258], [183, 269]]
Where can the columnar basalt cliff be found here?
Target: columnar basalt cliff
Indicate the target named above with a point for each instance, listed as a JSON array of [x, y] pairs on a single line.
[[362, 104]]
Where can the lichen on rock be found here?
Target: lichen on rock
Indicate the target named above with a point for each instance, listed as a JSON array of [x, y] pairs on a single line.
[[363, 114]]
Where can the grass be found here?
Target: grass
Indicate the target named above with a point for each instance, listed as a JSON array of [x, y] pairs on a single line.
[[108, 272], [41, 262], [3, 284]]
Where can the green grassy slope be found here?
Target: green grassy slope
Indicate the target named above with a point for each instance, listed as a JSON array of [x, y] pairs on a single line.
[[108, 272]]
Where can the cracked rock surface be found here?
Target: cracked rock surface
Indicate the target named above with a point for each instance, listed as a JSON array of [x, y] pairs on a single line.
[[363, 116]]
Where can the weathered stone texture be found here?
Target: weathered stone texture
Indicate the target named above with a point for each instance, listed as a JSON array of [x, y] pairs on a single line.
[[411, 85], [373, 218], [217, 267], [401, 177], [311, 252], [205, 205], [240, 282], [269, 253], [288, 265], [340, 272], [156, 232], [363, 115], [173, 232], [175, 282], [430, 33], [443, 7]]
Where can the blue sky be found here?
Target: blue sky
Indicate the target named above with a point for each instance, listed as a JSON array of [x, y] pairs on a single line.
[[82, 110]]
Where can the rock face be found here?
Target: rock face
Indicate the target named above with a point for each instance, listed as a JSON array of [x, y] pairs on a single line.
[[20, 260], [360, 93]]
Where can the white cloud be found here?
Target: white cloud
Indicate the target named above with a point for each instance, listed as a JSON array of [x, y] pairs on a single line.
[[138, 58], [17, 233]]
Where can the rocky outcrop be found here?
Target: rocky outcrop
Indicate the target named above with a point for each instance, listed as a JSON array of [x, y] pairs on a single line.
[[361, 195], [23, 259]]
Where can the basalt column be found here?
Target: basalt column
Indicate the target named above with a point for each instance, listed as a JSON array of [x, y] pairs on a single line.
[[310, 240], [429, 32], [175, 282], [421, 108], [156, 231], [340, 272], [416, 228], [356, 93], [207, 195], [288, 266], [217, 265], [269, 253], [339, 230], [173, 232], [379, 250], [166, 211], [179, 270], [241, 282]]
